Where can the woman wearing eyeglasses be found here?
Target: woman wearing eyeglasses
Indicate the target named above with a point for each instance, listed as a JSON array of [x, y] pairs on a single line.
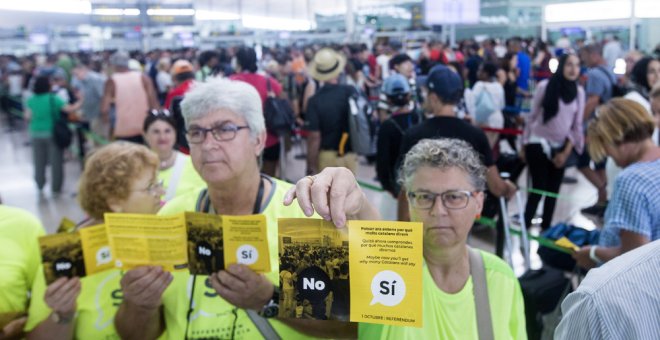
[[444, 181], [175, 169], [119, 177]]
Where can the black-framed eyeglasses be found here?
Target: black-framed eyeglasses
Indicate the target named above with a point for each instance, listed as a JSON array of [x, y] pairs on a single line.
[[452, 199], [221, 133]]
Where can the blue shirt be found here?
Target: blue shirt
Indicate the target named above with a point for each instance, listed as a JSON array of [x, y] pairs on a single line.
[[619, 300], [635, 204], [599, 83], [525, 67]]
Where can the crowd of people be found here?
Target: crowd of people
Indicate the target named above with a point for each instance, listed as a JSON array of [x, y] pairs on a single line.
[[436, 120]]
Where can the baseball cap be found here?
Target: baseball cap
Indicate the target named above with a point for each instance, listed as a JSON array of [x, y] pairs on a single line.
[[181, 66], [445, 83], [395, 84]]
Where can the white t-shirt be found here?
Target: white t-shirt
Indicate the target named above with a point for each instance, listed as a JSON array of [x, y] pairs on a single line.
[[383, 61], [164, 81]]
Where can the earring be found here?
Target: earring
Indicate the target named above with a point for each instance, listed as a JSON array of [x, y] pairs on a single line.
[[477, 217]]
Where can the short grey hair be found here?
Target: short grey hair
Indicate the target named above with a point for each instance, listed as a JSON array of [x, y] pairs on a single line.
[[443, 153], [218, 94], [119, 59]]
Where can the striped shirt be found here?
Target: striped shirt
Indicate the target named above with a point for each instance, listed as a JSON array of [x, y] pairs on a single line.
[[620, 300], [635, 204]]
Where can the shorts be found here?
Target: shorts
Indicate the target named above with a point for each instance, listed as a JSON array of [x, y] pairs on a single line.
[[584, 160]]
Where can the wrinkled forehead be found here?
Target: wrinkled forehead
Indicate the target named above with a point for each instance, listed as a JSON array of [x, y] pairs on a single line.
[[217, 117]]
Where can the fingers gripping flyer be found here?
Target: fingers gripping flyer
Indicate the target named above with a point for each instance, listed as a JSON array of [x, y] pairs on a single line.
[[369, 272]]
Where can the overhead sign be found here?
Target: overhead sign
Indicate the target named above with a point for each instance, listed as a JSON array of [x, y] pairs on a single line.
[[142, 14], [440, 12]]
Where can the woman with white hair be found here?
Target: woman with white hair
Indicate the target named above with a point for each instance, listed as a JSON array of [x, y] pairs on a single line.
[[226, 132], [468, 294]]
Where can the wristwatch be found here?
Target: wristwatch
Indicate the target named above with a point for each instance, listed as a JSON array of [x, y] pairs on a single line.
[[272, 308], [593, 256], [62, 319]]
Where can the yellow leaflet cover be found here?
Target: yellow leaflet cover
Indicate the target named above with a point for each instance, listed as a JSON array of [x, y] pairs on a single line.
[[62, 256], [246, 241], [96, 249], [66, 226], [386, 272], [138, 240], [564, 242], [205, 243], [314, 270]]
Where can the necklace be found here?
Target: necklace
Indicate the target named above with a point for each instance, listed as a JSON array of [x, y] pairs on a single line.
[[166, 164]]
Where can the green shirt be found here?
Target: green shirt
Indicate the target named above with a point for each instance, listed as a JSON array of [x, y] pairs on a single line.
[[99, 299], [212, 316], [45, 108], [20, 258], [453, 316]]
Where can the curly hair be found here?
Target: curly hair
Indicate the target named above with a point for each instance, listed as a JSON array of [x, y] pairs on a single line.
[[109, 173], [443, 153]]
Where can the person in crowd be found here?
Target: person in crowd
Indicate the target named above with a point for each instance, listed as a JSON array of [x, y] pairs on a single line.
[[472, 63], [328, 143], [385, 53], [163, 79], [486, 101], [208, 64], [444, 181], [507, 76], [622, 130], [553, 130], [600, 81], [133, 95], [183, 76], [655, 107], [542, 62], [616, 301], [631, 58], [390, 134], [524, 65], [42, 111], [645, 74], [120, 177], [90, 86], [403, 65], [19, 264], [227, 135], [246, 71], [175, 169], [612, 50], [445, 90]]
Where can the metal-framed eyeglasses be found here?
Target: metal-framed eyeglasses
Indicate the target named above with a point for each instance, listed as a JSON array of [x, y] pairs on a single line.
[[221, 133], [154, 188], [452, 199]]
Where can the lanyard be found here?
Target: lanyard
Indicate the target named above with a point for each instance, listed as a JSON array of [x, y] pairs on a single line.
[[204, 200]]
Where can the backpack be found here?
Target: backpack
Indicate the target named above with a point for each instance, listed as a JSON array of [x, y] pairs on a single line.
[[484, 106], [617, 90], [358, 124], [278, 113]]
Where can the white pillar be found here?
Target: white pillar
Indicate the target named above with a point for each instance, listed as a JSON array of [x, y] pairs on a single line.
[[350, 19], [633, 26]]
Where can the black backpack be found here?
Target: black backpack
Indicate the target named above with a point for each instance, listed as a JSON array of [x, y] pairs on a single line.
[[278, 113], [617, 90]]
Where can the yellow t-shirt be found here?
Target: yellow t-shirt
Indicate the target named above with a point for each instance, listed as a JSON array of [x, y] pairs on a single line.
[[189, 179], [99, 299], [212, 316], [19, 258], [453, 316]]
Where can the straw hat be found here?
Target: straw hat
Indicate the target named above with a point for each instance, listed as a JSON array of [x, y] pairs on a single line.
[[327, 64]]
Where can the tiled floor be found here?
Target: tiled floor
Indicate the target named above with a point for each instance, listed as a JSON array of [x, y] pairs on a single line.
[[17, 188]]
